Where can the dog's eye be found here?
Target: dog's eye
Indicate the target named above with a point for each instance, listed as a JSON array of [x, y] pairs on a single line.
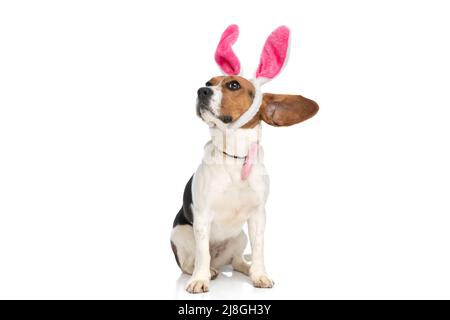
[[208, 84], [233, 85]]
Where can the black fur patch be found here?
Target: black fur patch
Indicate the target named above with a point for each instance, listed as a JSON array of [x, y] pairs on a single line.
[[185, 215]]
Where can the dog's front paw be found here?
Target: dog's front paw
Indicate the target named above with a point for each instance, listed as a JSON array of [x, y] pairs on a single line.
[[262, 281], [196, 285]]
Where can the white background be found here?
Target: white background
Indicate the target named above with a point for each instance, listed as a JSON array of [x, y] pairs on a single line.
[[98, 136]]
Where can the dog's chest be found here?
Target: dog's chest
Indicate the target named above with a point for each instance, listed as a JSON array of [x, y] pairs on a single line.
[[234, 203], [232, 209]]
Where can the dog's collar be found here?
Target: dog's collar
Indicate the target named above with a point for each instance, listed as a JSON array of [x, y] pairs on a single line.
[[249, 159], [230, 155], [233, 156]]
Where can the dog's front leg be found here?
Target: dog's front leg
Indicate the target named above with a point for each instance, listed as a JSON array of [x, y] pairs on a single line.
[[199, 281], [256, 226]]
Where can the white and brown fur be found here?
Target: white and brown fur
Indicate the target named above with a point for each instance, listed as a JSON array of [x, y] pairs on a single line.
[[208, 230]]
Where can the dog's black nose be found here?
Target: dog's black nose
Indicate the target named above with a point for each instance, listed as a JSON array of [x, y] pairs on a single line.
[[204, 92]]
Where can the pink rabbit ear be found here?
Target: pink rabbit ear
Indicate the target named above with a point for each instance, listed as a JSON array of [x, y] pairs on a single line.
[[225, 57], [274, 53]]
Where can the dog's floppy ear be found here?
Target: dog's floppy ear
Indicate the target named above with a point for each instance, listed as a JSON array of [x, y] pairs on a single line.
[[285, 110], [225, 57]]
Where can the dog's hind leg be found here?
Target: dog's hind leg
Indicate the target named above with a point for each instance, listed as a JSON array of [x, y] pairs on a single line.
[[238, 262], [231, 252], [183, 247]]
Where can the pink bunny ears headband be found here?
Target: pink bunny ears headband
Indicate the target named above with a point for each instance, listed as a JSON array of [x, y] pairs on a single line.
[[272, 59], [271, 62]]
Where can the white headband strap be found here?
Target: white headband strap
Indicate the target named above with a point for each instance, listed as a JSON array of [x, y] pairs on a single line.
[[254, 107]]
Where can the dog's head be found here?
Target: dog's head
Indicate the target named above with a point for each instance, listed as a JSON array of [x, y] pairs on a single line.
[[232, 101]]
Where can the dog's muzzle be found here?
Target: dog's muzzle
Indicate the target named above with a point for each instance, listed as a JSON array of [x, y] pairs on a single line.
[[204, 95]]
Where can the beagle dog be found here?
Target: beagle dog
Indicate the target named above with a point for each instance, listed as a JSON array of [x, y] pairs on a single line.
[[230, 187]]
